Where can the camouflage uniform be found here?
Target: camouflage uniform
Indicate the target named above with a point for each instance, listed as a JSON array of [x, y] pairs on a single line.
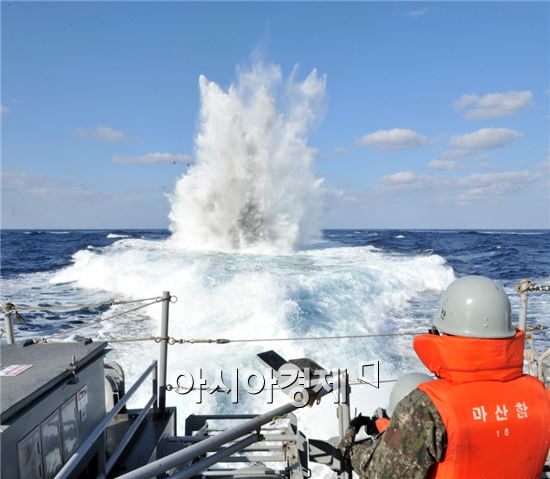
[[414, 440]]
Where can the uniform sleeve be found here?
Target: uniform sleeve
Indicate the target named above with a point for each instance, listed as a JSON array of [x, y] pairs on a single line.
[[414, 440], [347, 443]]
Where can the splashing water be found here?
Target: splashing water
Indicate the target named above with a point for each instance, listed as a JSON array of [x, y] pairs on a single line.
[[251, 187]]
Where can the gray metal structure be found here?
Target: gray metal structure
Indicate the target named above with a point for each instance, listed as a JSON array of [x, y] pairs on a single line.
[[7, 308], [163, 349], [49, 409]]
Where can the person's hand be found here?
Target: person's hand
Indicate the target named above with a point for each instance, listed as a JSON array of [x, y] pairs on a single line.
[[359, 421], [371, 428]]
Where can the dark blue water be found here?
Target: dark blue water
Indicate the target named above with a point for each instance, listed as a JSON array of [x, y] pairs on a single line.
[[506, 256], [32, 251]]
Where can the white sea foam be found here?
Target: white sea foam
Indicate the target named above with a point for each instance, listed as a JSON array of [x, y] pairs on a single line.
[[399, 237], [116, 235], [251, 187]]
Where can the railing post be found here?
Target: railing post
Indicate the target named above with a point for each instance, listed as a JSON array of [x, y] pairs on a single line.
[[343, 412], [155, 383], [523, 289], [343, 407], [163, 350], [523, 298], [10, 337]]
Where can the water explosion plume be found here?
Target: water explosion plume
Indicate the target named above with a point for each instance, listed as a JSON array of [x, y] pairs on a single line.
[[251, 187]]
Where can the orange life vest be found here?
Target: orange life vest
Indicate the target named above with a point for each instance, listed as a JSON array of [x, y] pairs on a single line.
[[497, 419], [382, 423]]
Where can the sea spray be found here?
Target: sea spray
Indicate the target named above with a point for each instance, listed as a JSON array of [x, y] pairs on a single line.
[[251, 187]]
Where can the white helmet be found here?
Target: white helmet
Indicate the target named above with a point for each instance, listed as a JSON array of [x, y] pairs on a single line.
[[403, 386], [476, 307]]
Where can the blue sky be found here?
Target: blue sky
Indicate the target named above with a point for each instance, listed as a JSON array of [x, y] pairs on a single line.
[[437, 114]]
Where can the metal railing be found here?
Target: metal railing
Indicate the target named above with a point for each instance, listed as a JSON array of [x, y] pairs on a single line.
[[224, 453], [524, 287], [539, 362], [98, 431], [181, 458]]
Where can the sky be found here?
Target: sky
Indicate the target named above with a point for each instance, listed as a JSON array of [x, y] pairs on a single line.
[[436, 114]]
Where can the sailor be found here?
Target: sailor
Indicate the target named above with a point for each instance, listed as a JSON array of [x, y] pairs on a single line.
[[483, 417]]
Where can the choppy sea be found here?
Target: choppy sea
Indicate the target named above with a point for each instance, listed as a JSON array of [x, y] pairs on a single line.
[[350, 282]]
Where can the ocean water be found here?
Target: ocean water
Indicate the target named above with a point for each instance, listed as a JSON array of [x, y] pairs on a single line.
[[350, 282]]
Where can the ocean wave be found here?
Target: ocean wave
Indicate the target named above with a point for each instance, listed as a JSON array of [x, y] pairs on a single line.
[[116, 235], [519, 233]]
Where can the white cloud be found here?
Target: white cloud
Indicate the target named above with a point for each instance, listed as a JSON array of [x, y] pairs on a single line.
[[403, 183], [29, 184], [156, 158], [494, 105], [102, 133], [418, 13], [399, 178], [443, 165], [484, 186], [34, 201], [394, 139], [483, 139], [4, 109], [464, 189], [506, 177]]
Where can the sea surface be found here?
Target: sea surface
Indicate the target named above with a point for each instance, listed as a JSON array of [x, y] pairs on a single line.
[[350, 282]]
